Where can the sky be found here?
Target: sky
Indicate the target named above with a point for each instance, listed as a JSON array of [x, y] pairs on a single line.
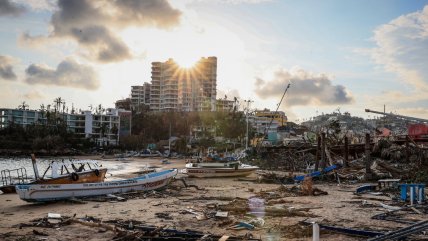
[[337, 55]]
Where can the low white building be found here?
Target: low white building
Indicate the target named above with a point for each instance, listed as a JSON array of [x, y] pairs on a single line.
[[103, 128]]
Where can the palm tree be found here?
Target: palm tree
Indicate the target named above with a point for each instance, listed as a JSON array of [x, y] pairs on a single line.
[[58, 102], [100, 110], [63, 107], [114, 130], [23, 106], [42, 111], [103, 130]]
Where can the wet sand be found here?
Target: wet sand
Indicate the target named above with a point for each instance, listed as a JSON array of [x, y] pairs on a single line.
[[340, 207]]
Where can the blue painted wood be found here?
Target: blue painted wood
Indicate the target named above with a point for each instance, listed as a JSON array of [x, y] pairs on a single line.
[[366, 188], [415, 186], [318, 173]]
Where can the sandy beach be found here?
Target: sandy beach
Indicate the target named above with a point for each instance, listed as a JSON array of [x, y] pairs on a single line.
[[171, 207]]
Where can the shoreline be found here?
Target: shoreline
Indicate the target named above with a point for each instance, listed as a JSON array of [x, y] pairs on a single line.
[[182, 208]]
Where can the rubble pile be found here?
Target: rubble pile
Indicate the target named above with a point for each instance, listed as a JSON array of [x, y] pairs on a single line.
[[125, 229], [288, 159]]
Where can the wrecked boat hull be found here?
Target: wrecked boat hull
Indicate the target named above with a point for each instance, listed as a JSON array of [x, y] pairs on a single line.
[[218, 173], [202, 170], [53, 192], [97, 175], [82, 177]]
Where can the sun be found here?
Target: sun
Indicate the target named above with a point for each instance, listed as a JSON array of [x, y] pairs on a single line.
[[185, 62]]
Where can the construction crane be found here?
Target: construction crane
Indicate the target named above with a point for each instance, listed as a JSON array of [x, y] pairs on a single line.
[[398, 116]]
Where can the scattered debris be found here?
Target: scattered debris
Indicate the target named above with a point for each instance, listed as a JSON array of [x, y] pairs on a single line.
[[221, 214], [350, 231], [403, 232], [242, 225]]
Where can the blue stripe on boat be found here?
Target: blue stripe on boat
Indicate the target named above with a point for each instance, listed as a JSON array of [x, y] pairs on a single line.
[[150, 175]]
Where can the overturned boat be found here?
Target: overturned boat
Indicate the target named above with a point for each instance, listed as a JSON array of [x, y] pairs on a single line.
[[219, 169], [61, 172], [53, 192]]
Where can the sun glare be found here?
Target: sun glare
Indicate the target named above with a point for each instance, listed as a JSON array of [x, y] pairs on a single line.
[[185, 62]]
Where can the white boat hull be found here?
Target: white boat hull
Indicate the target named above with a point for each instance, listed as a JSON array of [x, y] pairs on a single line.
[[42, 193], [210, 170]]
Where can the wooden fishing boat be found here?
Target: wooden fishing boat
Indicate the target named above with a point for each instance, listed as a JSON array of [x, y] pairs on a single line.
[[61, 172], [74, 171], [52, 192], [219, 169]]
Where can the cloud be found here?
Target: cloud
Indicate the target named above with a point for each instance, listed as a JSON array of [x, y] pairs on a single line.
[[149, 12], [234, 2], [25, 40], [306, 89], [414, 112], [6, 68], [93, 24], [33, 94], [99, 40], [39, 5], [8, 8], [402, 48], [68, 73]]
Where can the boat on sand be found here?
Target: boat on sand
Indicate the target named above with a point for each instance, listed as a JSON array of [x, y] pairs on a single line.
[[219, 169], [52, 192], [57, 172]]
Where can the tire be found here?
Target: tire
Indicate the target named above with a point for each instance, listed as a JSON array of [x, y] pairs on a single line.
[[74, 176]]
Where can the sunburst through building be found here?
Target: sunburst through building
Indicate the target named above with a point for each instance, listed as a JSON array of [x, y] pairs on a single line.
[[177, 88]]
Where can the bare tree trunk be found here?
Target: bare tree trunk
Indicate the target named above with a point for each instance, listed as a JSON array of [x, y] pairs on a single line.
[[368, 159], [318, 153], [346, 153], [323, 146]]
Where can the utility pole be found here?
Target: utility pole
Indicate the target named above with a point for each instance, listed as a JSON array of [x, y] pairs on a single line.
[[246, 115], [169, 140]]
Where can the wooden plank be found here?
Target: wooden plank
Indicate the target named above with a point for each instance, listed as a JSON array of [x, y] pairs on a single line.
[[224, 238]]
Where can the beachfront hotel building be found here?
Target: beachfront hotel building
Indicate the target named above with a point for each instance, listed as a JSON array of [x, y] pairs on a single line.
[[100, 127], [140, 95], [174, 88]]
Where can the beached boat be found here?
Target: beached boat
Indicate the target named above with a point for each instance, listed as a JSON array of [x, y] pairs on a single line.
[[49, 192], [73, 171], [219, 169], [62, 172]]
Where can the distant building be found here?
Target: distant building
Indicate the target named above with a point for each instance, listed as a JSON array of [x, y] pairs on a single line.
[[224, 105], [124, 104], [103, 128], [140, 95], [263, 125], [279, 116], [174, 88], [125, 124]]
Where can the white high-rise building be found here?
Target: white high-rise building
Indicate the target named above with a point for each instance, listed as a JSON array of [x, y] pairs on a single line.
[[174, 88], [140, 95]]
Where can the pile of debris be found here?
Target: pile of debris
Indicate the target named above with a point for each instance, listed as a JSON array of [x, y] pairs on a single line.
[[126, 229]]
